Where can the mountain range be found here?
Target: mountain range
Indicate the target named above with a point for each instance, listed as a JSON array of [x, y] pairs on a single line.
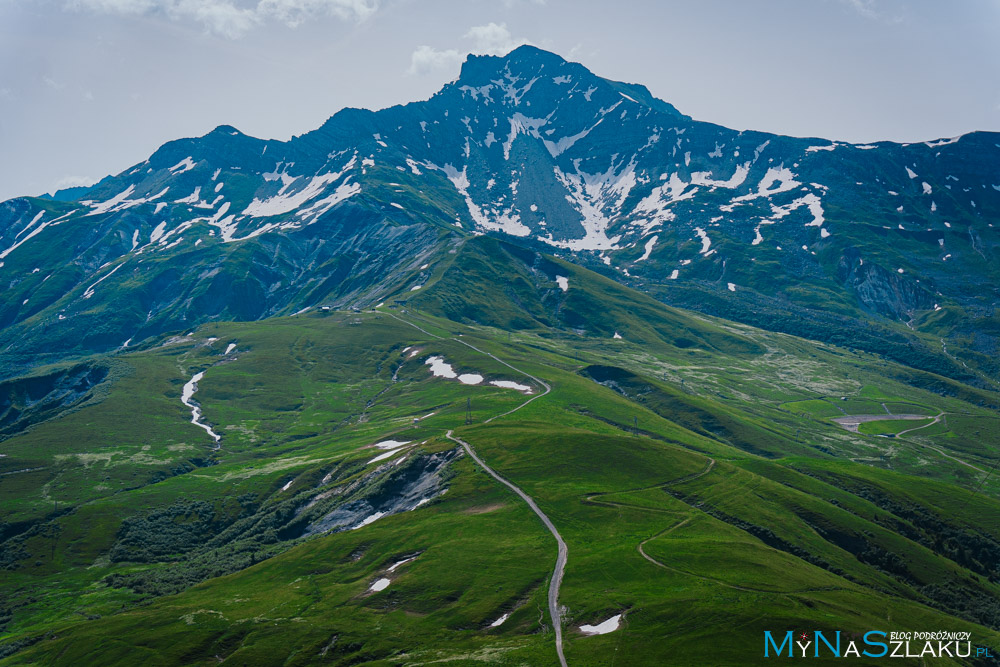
[[885, 247], [537, 371]]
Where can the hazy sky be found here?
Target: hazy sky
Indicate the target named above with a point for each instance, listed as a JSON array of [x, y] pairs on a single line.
[[90, 87]]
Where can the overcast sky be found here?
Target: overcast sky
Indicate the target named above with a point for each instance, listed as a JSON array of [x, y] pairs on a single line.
[[90, 87]]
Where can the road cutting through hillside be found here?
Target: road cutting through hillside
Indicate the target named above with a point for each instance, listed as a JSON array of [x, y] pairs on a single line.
[[562, 550]]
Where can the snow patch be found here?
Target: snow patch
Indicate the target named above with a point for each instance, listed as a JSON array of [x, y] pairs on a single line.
[[380, 585], [500, 621], [186, 393], [506, 221], [942, 142], [604, 628], [158, 232], [401, 562], [192, 198], [706, 242], [390, 444], [119, 201], [187, 164], [508, 384], [89, 292], [649, 248], [387, 455], [734, 181], [440, 368], [284, 203], [598, 198]]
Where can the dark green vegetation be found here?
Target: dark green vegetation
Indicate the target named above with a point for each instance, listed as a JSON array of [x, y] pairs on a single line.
[[692, 467]]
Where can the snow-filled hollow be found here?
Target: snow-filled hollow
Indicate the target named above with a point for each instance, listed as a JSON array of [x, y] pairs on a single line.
[[441, 368], [187, 393], [604, 628]]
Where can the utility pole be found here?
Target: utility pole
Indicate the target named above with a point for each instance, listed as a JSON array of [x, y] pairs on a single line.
[[468, 410], [635, 427]]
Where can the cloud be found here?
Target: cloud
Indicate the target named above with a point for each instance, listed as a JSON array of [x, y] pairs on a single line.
[[232, 18], [113, 6], [864, 7], [875, 10], [294, 12], [492, 39], [220, 17], [427, 58]]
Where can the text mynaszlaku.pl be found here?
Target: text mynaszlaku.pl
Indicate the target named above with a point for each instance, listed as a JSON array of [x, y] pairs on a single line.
[[872, 644]]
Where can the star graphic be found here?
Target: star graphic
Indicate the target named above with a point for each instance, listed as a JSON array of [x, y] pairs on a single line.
[[804, 636]]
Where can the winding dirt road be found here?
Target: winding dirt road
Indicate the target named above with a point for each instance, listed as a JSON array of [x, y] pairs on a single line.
[[850, 422], [917, 428], [563, 553], [517, 370], [938, 449]]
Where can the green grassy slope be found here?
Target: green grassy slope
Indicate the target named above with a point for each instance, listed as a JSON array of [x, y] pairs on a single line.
[[692, 466]]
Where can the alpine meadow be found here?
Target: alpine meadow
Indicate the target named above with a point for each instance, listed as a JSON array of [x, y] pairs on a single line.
[[538, 371]]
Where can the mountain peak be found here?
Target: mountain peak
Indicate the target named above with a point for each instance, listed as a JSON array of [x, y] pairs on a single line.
[[226, 130], [530, 52], [480, 68], [527, 63]]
